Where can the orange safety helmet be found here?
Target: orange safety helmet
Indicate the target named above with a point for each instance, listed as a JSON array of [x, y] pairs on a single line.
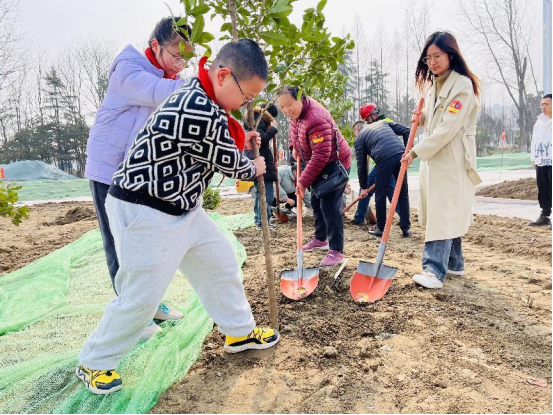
[[367, 110]]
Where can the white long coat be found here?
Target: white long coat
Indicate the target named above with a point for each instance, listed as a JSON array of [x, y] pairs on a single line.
[[448, 159]]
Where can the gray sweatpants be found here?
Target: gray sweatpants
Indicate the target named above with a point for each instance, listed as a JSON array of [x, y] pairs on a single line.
[[151, 245]]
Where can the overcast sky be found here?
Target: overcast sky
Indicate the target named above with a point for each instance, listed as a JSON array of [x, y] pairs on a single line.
[[52, 24]]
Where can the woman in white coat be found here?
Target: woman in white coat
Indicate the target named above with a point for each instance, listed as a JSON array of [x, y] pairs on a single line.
[[448, 156]]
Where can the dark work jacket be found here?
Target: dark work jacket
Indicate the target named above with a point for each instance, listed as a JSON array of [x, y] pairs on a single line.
[[378, 141]]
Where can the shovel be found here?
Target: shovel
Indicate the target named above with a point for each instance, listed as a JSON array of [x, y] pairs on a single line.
[[299, 283], [357, 199], [371, 281], [278, 214]]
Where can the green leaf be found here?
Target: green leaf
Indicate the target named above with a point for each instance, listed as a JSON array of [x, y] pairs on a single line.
[[237, 114], [274, 35], [280, 7], [321, 5], [226, 27], [182, 22], [201, 9], [197, 29], [206, 38]]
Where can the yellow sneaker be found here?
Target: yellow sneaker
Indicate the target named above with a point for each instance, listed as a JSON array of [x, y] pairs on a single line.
[[258, 339], [100, 382]]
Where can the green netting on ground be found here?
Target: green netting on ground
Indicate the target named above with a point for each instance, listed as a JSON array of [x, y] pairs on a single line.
[[53, 189], [489, 163], [62, 189], [50, 307]]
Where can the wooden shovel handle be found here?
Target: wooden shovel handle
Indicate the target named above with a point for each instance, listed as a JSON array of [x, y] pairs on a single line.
[[348, 207]]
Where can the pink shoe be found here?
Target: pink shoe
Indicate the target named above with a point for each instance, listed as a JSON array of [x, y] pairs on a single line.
[[315, 244], [332, 258]]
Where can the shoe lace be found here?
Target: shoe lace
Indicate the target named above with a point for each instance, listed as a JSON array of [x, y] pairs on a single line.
[[97, 373], [163, 308], [257, 333]]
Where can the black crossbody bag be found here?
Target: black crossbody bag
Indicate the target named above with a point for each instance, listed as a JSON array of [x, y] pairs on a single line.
[[333, 176]]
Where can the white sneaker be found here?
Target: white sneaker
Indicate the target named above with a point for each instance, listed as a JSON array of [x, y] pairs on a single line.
[[165, 313], [428, 279], [149, 331], [458, 273]]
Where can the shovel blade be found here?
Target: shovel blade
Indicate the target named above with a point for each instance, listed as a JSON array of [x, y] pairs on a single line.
[[292, 288], [282, 217], [366, 286]]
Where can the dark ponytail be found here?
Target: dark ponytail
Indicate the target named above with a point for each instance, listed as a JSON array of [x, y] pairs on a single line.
[[165, 32]]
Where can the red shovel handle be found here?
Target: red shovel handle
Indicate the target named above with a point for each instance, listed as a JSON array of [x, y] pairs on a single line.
[[402, 172]]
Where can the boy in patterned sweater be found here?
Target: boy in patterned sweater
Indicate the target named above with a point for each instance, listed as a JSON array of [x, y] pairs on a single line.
[[155, 213]]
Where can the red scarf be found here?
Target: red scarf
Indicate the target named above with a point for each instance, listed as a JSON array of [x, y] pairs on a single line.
[[235, 129], [151, 57]]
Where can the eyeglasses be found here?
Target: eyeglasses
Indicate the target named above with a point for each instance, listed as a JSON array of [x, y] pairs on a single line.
[[434, 57], [177, 60], [246, 100]]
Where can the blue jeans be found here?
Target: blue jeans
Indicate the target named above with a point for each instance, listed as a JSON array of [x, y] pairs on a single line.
[[442, 255], [363, 204], [390, 168], [269, 196], [99, 194]]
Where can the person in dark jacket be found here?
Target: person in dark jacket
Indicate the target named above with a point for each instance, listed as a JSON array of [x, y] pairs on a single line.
[[371, 113], [379, 141], [267, 129], [314, 137]]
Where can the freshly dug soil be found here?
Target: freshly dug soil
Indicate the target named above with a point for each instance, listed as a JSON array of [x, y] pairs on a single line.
[[524, 189], [470, 347], [76, 214]]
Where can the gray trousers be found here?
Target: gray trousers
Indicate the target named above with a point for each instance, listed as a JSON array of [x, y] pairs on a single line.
[[151, 246]]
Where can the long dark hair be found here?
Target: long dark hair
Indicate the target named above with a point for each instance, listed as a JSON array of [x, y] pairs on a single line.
[[446, 42]]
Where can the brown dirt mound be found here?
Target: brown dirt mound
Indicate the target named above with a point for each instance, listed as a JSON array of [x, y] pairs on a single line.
[[76, 214], [524, 189], [470, 347], [40, 235]]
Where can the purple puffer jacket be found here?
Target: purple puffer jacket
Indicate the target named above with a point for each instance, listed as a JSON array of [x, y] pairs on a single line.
[[314, 132], [135, 90]]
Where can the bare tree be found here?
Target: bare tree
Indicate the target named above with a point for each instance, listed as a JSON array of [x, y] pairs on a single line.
[[502, 29], [95, 58], [418, 15], [9, 38]]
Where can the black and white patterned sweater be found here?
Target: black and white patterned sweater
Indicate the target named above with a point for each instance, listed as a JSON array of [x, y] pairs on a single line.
[[173, 158]]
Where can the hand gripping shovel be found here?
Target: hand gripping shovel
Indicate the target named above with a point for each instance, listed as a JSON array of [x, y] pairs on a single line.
[[371, 281], [299, 283], [278, 214], [357, 199]]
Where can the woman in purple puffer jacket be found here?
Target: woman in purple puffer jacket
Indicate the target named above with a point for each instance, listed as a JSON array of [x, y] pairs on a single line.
[[138, 83], [313, 141]]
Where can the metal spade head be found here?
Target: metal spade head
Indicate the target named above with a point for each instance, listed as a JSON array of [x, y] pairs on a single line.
[[282, 217], [366, 286], [293, 288]]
